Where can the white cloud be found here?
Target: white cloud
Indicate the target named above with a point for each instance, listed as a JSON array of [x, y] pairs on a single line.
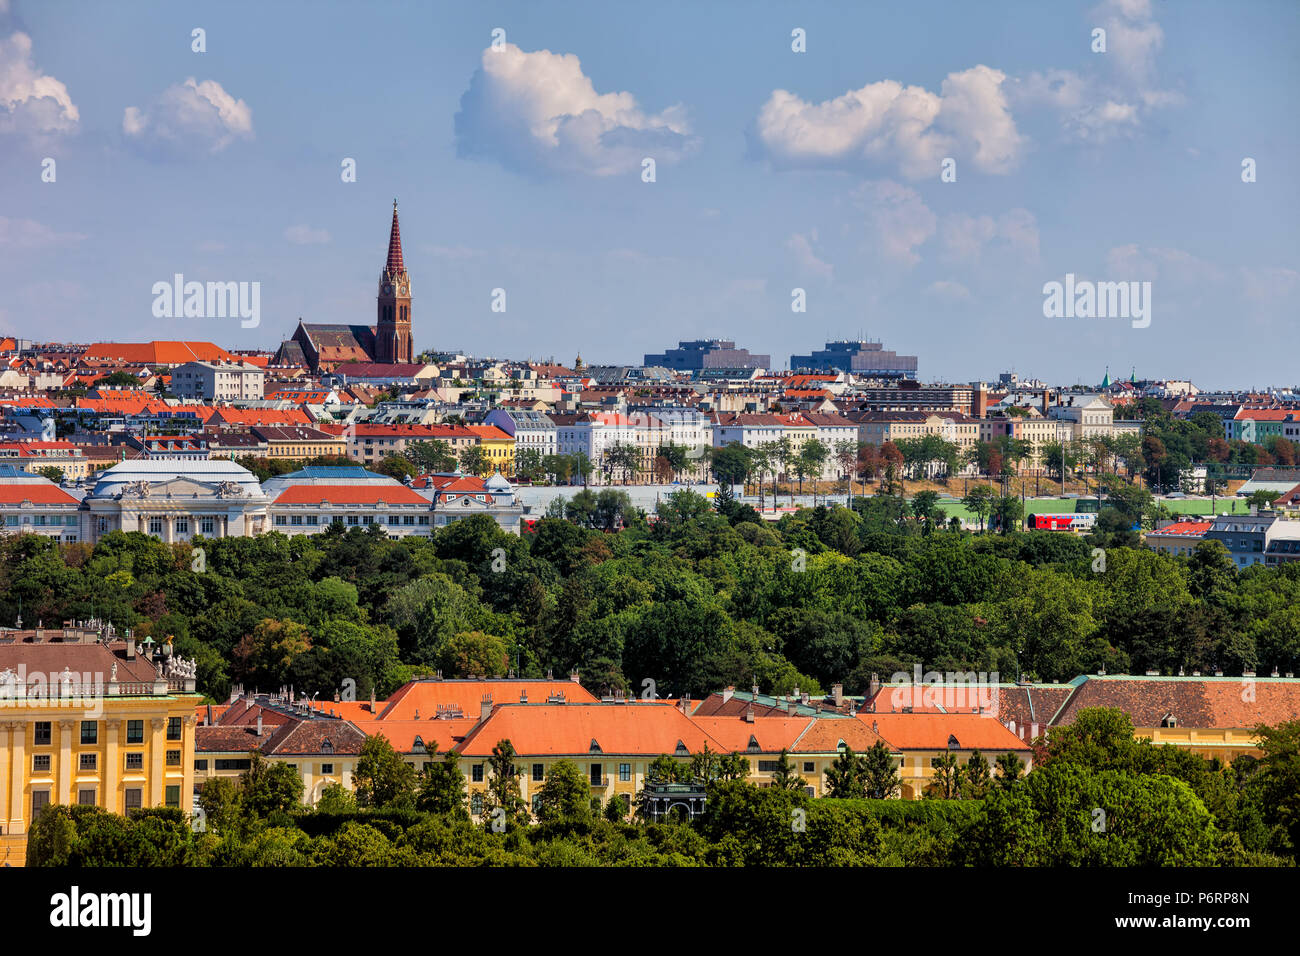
[[898, 218], [29, 234], [948, 292], [1268, 283], [1119, 90], [189, 119], [886, 123], [306, 236], [31, 102], [538, 112], [1148, 263], [800, 247], [965, 237]]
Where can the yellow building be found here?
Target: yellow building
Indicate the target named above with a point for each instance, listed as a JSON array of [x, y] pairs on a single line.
[[299, 442], [1214, 716], [93, 720], [315, 739], [498, 448]]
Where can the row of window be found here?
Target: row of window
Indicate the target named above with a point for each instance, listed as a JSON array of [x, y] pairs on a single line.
[[315, 520], [225, 763], [90, 761], [43, 731], [42, 521], [132, 798]]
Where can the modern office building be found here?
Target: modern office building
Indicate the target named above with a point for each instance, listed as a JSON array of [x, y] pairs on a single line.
[[869, 359], [708, 354]]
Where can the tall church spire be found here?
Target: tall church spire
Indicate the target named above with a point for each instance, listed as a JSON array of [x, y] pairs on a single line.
[[393, 328], [395, 265]]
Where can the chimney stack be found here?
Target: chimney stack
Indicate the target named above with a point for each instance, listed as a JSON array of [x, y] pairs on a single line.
[[573, 675], [372, 700], [259, 725], [837, 693], [130, 648], [485, 708], [873, 688], [728, 692], [749, 714]]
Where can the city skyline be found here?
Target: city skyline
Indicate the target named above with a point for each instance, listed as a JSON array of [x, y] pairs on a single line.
[[521, 169]]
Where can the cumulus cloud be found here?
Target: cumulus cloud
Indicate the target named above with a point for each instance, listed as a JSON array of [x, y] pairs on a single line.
[[31, 102], [1147, 263], [1269, 283], [800, 247], [188, 119], [897, 217], [965, 237], [886, 123], [29, 234], [948, 292], [306, 236], [539, 113], [1113, 99]]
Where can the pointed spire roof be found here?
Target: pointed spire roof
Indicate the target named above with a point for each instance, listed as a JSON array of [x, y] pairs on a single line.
[[1105, 382], [395, 265]]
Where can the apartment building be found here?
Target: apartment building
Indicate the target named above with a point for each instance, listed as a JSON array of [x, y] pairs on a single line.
[[32, 504], [218, 381], [91, 718], [371, 443]]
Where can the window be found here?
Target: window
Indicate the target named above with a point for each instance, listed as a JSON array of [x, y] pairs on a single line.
[[182, 526], [86, 797], [155, 525], [173, 758], [476, 804], [476, 773], [539, 772], [89, 732], [394, 519], [87, 761], [135, 761], [41, 733], [809, 767], [281, 519], [595, 774], [173, 728], [768, 766], [207, 525], [201, 764], [296, 519], [353, 519], [135, 731], [237, 763], [329, 767], [40, 800], [40, 763], [624, 772], [132, 799], [313, 519], [408, 519], [424, 519]]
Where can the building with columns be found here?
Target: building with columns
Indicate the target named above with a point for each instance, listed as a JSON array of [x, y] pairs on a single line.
[[89, 717], [175, 500]]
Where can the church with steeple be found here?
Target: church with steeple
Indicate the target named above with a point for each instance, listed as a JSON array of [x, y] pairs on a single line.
[[323, 348]]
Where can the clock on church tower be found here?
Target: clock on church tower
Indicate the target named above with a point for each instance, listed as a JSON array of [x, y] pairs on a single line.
[[393, 328]]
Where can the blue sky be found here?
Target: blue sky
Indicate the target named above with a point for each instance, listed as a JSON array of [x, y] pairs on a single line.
[[521, 168]]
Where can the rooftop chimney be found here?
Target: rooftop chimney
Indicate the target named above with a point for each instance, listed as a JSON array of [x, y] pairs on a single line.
[[573, 675], [873, 688], [485, 708], [130, 648], [837, 693], [728, 692], [749, 714], [259, 724]]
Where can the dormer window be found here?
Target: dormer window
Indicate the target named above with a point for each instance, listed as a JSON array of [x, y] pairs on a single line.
[[753, 745], [326, 747], [595, 747], [953, 743]]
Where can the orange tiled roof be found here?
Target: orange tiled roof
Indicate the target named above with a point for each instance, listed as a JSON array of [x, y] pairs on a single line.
[[425, 696], [37, 494], [157, 353], [933, 732], [365, 494], [641, 728], [444, 734]]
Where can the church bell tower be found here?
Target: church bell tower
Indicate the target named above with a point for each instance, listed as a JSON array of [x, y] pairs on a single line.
[[393, 329]]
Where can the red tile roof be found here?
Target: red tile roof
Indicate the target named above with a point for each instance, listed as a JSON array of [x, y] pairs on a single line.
[[642, 728], [370, 493]]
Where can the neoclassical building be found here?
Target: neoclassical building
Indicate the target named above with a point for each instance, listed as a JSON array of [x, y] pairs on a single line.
[[175, 500]]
